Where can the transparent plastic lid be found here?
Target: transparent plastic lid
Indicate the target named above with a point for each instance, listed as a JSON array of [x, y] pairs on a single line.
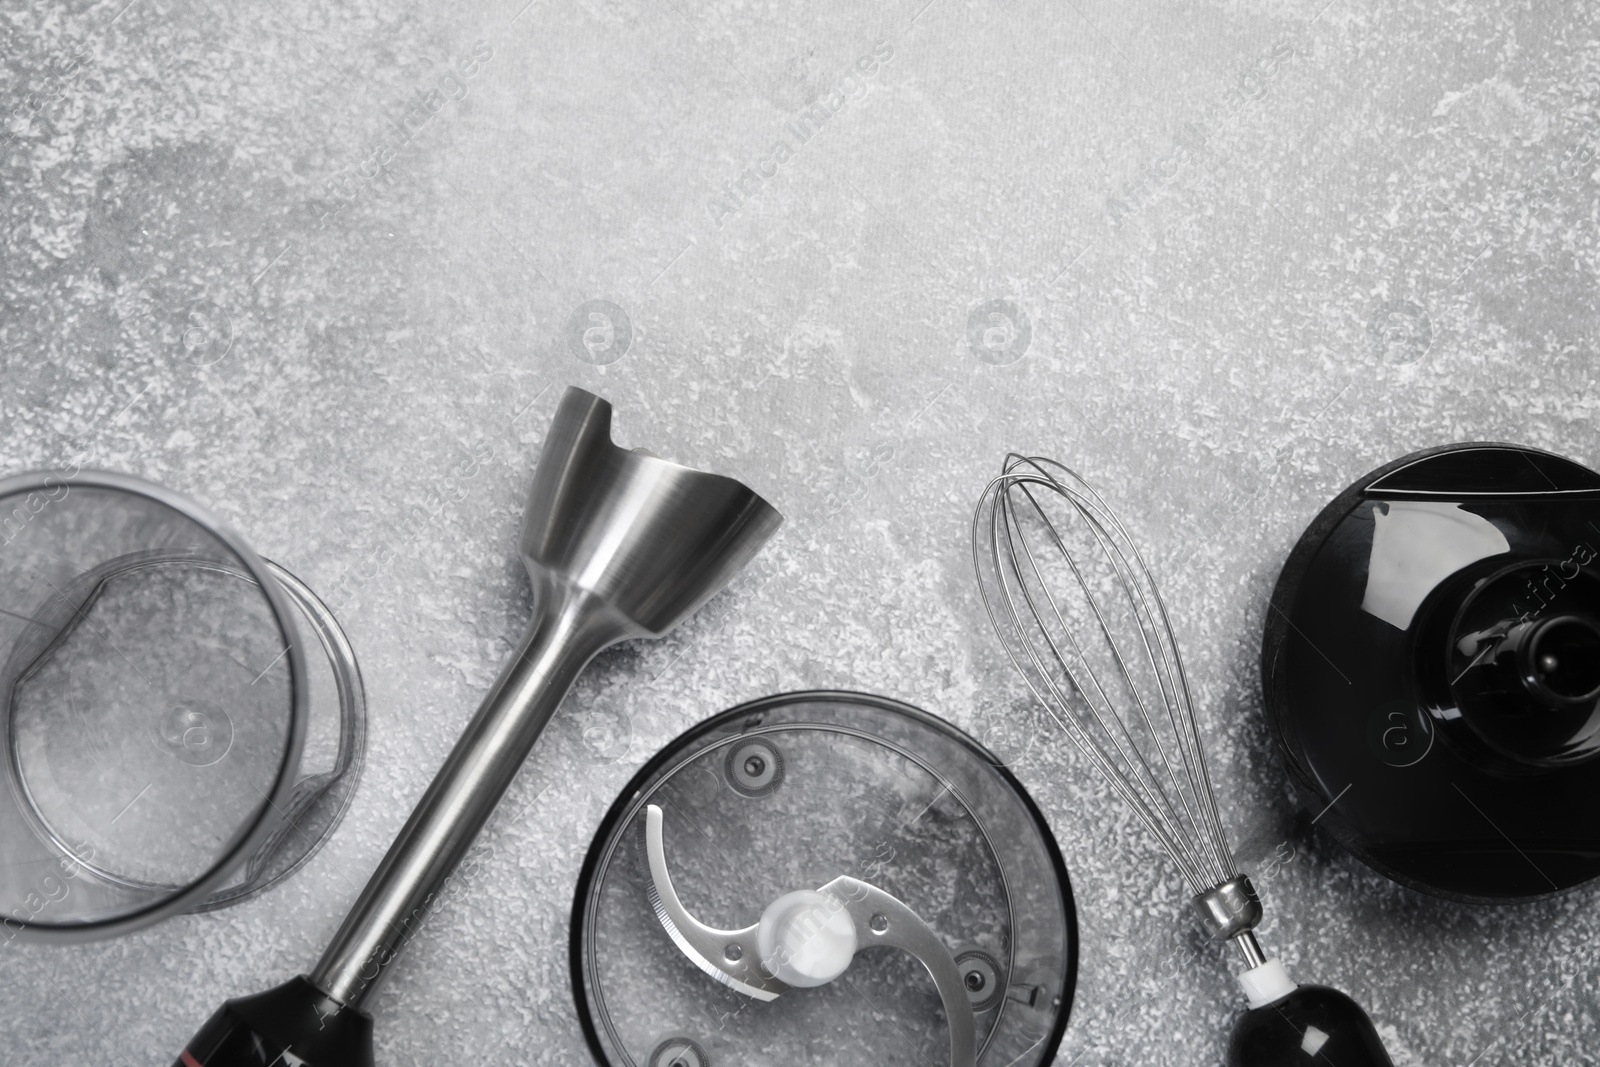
[[849, 808]]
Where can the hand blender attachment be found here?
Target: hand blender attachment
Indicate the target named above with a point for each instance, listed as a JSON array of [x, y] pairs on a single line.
[[1080, 617], [618, 545], [883, 892]]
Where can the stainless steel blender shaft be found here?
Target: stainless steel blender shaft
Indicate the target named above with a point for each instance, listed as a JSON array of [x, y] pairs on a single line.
[[459, 801], [619, 545]]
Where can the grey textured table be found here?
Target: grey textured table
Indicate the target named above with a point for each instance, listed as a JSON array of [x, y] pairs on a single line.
[[328, 267]]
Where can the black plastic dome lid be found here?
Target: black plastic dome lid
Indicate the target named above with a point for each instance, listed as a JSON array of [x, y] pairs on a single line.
[[1431, 667], [904, 822]]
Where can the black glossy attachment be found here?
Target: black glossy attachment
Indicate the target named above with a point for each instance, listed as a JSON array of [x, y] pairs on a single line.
[[1431, 668], [1312, 1025], [294, 1023]]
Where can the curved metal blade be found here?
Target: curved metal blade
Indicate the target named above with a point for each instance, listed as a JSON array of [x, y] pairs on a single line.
[[707, 946], [881, 920]]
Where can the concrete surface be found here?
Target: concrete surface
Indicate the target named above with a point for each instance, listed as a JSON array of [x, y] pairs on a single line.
[[328, 267]]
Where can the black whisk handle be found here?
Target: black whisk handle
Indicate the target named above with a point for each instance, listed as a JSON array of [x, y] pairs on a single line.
[[1311, 1025]]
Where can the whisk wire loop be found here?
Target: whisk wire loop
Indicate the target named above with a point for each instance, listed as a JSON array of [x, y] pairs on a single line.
[[1105, 544], [1080, 672], [1140, 690]]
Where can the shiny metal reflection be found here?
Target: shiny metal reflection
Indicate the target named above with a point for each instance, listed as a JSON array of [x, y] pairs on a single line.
[[619, 544]]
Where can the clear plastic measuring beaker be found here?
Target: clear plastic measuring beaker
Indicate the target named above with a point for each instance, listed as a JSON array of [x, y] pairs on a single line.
[[157, 700]]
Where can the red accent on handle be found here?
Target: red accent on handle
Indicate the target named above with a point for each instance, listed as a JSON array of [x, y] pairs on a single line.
[[188, 1060]]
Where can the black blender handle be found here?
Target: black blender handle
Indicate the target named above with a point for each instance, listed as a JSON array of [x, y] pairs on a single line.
[[294, 1023], [1311, 1025]]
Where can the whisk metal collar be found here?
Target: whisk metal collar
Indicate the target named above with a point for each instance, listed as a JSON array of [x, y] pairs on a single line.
[[1229, 909]]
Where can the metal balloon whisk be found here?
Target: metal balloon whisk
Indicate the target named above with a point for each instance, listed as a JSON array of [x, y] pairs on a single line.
[[1080, 616]]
